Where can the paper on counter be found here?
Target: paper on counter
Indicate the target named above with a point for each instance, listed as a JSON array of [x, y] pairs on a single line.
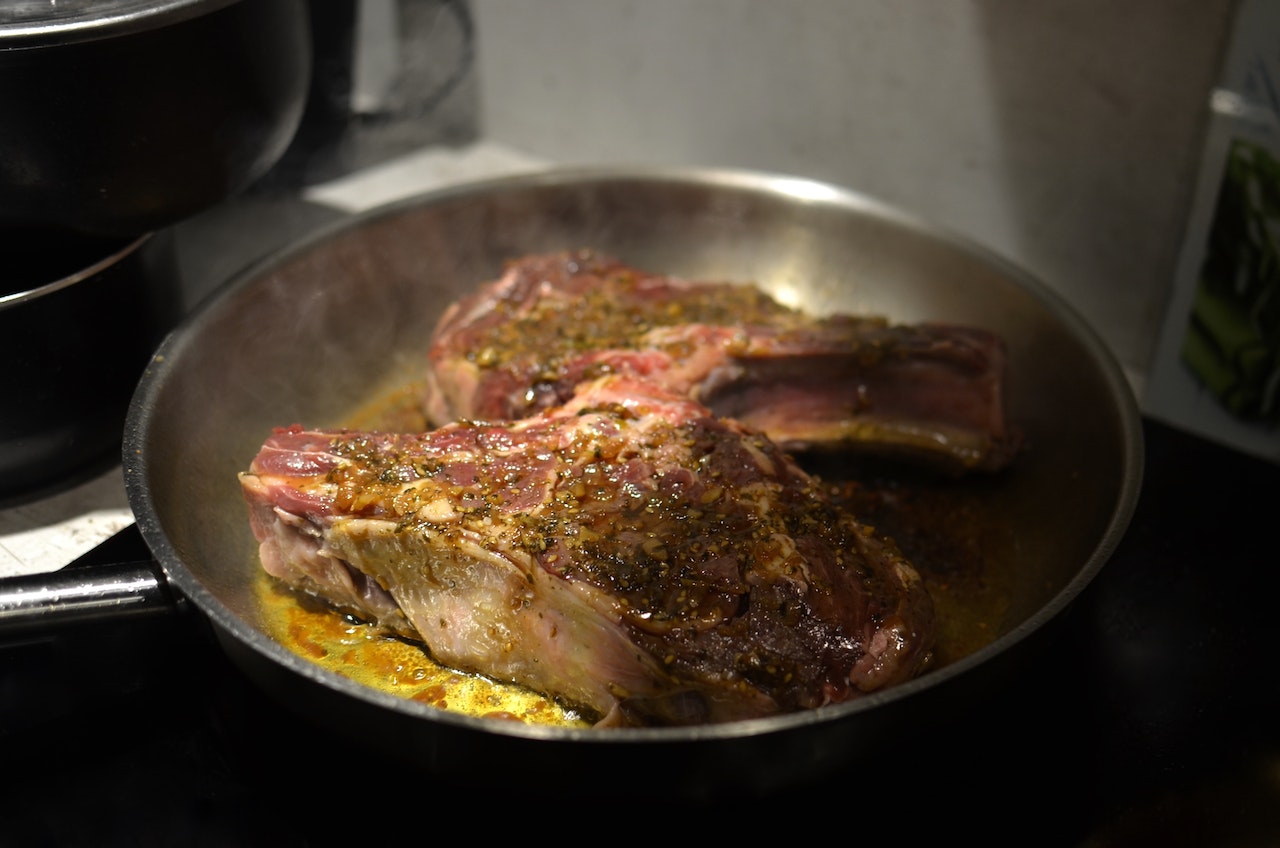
[[49, 533], [419, 172]]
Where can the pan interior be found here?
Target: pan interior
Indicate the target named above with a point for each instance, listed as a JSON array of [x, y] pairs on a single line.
[[331, 325]]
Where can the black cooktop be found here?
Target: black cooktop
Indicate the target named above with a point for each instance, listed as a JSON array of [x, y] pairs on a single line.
[[1150, 715]]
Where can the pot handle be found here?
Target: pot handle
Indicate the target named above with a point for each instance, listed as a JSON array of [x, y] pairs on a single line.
[[80, 594]]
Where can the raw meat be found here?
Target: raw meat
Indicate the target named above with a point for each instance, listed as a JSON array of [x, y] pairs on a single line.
[[522, 343], [627, 552]]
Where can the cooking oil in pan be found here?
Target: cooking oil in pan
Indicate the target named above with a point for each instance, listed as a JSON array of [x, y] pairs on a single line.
[[945, 527], [360, 652]]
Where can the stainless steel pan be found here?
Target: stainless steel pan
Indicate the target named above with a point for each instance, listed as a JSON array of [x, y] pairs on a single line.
[[319, 330]]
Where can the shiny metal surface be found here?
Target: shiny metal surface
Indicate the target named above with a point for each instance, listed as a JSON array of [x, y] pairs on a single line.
[[40, 602], [14, 298], [312, 333], [31, 23]]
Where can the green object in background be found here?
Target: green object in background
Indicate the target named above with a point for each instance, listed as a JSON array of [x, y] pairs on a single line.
[[1233, 341]]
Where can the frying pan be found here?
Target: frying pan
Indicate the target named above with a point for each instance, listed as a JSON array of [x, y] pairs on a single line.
[[326, 326]]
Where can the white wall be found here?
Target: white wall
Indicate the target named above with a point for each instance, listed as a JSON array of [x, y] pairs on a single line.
[[1061, 133]]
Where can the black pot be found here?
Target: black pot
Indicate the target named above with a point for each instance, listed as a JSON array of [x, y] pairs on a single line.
[[124, 116], [79, 318]]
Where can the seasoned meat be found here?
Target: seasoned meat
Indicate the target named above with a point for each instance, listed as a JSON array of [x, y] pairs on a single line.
[[523, 342], [627, 552]]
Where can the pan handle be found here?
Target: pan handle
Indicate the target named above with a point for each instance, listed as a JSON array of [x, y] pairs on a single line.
[[85, 593]]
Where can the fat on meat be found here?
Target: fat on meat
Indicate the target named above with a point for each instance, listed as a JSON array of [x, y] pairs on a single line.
[[523, 342], [627, 552]]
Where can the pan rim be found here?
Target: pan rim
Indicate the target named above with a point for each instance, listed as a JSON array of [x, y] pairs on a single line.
[[806, 190]]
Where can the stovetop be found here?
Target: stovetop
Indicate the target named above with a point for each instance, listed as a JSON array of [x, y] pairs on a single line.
[[1147, 715]]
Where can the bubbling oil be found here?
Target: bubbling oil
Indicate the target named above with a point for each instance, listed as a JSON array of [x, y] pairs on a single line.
[[954, 537]]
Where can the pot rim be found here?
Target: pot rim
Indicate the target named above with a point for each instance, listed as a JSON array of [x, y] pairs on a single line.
[[41, 24], [15, 298]]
